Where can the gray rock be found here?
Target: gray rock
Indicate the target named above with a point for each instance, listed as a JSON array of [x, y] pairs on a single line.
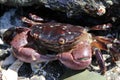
[[70, 7]]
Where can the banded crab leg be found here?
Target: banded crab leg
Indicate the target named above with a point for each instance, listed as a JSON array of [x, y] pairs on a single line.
[[102, 27], [100, 60], [38, 19], [30, 22], [104, 43], [97, 46], [35, 17], [112, 46], [108, 44], [33, 21]]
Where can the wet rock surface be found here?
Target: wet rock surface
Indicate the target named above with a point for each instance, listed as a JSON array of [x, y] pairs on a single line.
[[10, 17]]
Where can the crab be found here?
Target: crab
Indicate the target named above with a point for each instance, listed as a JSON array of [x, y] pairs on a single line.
[[72, 45]]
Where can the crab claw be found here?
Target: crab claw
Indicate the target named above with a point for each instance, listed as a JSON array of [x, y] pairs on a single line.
[[77, 58]]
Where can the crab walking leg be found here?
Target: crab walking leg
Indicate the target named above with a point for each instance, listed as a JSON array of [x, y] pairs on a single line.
[[30, 22], [112, 46], [100, 60], [35, 17], [115, 53], [101, 27], [107, 40], [103, 43], [97, 46]]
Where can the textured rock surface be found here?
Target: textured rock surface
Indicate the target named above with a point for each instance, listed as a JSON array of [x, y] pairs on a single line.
[[70, 7]]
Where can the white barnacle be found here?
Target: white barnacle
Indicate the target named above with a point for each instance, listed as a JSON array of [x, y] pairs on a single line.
[[101, 10]]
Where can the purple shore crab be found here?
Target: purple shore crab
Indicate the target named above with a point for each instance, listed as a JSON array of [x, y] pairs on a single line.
[[73, 44]]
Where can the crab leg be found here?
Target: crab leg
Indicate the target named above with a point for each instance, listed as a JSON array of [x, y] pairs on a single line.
[[30, 22], [100, 60], [114, 52], [112, 45], [101, 27], [35, 17], [99, 45], [107, 40]]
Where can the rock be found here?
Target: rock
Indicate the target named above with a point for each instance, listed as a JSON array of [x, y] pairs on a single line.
[[70, 7], [4, 51], [1, 42], [11, 71], [36, 77], [8, 61], [84, 75]]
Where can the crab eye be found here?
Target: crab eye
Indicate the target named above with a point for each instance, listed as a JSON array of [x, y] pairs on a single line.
[[61, 41]]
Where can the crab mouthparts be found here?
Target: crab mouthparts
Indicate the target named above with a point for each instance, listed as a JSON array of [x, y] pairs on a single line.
[[82, 59]]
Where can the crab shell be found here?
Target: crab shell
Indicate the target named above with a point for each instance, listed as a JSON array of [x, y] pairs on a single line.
[[57, 37], [72, 43]]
